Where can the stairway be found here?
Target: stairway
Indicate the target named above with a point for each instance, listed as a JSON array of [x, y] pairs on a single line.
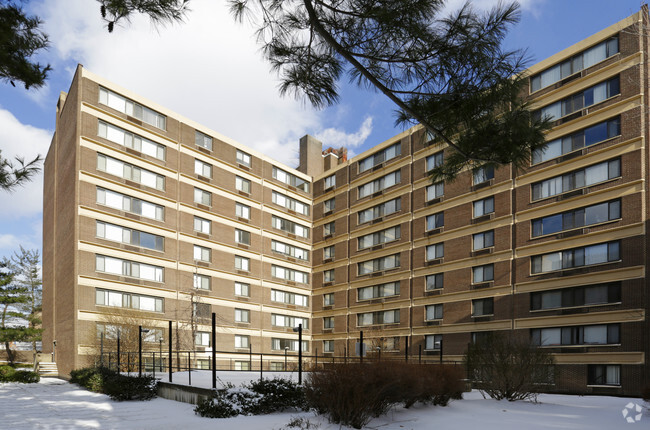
[[48, 369]]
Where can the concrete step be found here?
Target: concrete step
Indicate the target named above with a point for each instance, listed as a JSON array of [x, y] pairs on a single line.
[[48, 369]]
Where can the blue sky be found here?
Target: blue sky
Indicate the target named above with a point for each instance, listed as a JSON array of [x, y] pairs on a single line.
[[210, 70]]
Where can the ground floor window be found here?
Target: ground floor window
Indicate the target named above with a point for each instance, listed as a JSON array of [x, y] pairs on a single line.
[[604, 374], [242, 365]]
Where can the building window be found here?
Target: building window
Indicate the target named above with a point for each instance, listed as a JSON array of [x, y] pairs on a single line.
[[202, 338], [378, 238], [129, 236], [328, 275], [435, 281], [121, 299], [290, 226], [328, 252], [288, 321], [483, 240], [384, 290], [378, 264], [201, 253], [201, 282], [482, 307], [328, 346], [242, 211], [289, 250], [289, 274], [483, 207], [203, 140], [601, 334], [130, 172], [243, 237], [242, 263], [578, 257], [587, 137], [242, 341], [379, 157], [242, 365], [133, 205], [243, 290], [483, 273], [604, 374], [328, 299], [242, 316], [577, 218], [432, 342], [290, 203], [130, 140], [290, 179], [379, 211], [290, 344], [579, 101], [435, 160], [202, 225], [202, 169], [433, 312], [435, 251], [379, 184], [381, 317], [202, 197], [328, 205], [289, 298], [131, 108], [243, 185], [243, 158], [579, 62], [329, 228], [202, 311], [576, 296], [591, 175], [435, 221], [483, 174], [435, 191], [328, 322], [117, 266], [330, 182]]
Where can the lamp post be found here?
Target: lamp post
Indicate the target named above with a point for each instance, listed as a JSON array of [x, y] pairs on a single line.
[[379, 353], [299, 330], [140, 331], [286, 348]]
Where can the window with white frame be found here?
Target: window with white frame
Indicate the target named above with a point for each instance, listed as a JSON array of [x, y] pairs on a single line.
[[379, 157], [435, 251], [482, 174], [131, 108], [242, 184], [202, 225], [435, 191], [290, 179], [127, 171], [432, 342], [577, 218], [242, 341], [376, 291], [243, 290], [242, 315], [328, 205], [203, 169], [202, 338], [132, 269], [290, 250], [599, 334], [290, 203], [435, 160], [328, 252], [328, 322], [577, 179], [577, 257], [133, 205], [279, 320], [242, 236], [329, 228], [278, 344], [129, 236], [289, 226], [201, 253], [289, 298], [378, 264], [203, 140], [433, 312], [379, 211], [242, 263], [242, 365], [330, 181], [328, 299], [289, 274], [434, 281], [384, 236], [120, 299], [202, 311], [130, 140], [242, 211], [328, 346], [243, 158], [202, 197], [328, 275], [604, 374], [381, 317], [201, 282], [379, 184], [483, 273], [483, 207], [483, 240], [483, 307], [435, 221]]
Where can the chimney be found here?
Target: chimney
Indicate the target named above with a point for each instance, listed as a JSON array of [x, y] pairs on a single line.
[[311, 156]]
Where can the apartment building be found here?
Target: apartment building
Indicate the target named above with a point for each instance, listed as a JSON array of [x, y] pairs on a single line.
[[149, 211]]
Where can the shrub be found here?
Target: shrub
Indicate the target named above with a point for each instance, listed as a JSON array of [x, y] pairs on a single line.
[[276, 395], [228, 402], [504, 367], [646, 393], [6, 373], [119, 387], [10, 374]]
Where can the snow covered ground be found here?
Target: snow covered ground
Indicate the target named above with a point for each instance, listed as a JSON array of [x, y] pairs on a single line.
[[53, 404]]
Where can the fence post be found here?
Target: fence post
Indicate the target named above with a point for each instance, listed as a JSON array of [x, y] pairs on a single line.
[[154, 365], [189, 367], [440, 350], [361, 346], [118, 350], [250, 357], [261, 366], [420, 354], [214, 350], [316, 352], [170, 351], [406, 349]]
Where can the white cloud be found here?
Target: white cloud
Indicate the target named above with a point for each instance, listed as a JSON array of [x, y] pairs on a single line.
[[336, 138]]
